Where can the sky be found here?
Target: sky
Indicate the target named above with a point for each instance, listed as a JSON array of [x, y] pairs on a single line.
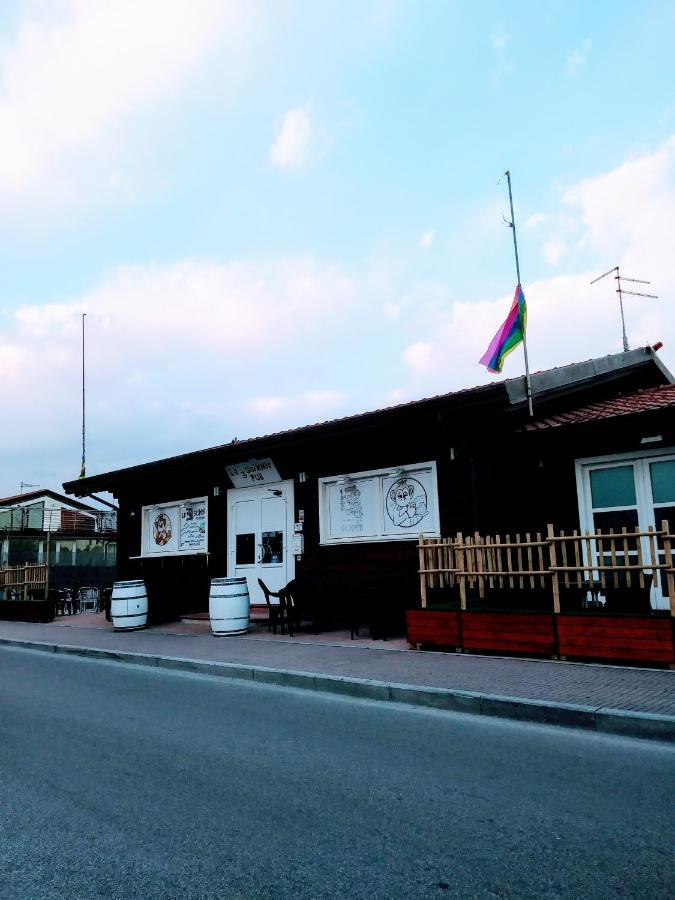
[[276, 212]]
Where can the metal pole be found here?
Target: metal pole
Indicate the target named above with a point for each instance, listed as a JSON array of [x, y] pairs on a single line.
[[626, 348], [83, 469], [528, 384]]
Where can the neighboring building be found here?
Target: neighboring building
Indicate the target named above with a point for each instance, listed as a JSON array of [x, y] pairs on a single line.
[[78, 540], [339, 505]]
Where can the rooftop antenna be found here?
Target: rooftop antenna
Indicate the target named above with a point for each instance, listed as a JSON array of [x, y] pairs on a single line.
[[621, 291], [25, 484]]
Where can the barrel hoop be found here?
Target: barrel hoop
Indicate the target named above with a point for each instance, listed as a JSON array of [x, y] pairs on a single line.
[[227, 596]]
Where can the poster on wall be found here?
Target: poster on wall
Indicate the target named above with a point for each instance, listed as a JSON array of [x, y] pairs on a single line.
[[193, 526], [352, 509], [406, 503], [179, 527], [380, 505]]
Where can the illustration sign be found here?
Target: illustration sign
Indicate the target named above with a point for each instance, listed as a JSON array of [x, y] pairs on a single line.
[[253, 471], [406, 502], [380, 505], [179, 527], [352, 508], [162, 529]]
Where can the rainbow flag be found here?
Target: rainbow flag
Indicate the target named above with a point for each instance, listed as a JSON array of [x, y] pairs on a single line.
[[511, 333]]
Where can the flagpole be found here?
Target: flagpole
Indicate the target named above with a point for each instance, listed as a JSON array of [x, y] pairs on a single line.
[[515, 250], [83, 470]]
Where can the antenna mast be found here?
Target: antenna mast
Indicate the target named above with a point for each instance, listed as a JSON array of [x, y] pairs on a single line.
[[621, 291], [83, 468]]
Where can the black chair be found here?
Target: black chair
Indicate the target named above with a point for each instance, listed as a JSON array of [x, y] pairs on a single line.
[[275, 611], [292, 608]]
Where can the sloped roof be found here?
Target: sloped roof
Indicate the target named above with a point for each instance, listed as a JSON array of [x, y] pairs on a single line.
[[45, 492], [641, 401], [508, 394]]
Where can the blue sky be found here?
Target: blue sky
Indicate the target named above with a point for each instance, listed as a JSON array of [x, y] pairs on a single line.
[[278, 212]]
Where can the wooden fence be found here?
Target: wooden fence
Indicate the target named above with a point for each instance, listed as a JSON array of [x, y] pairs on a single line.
[[590, 562], [20, 580]]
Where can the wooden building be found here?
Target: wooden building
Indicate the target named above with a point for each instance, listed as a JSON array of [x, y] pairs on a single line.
[[339, 506]]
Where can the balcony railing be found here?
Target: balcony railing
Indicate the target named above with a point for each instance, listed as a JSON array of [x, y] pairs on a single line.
[[31, 519]]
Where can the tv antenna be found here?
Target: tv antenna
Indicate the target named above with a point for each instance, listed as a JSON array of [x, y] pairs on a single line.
[[621, 291], [25, 484]]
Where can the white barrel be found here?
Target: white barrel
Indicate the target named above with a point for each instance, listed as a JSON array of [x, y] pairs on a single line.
[[129, 605], [229, 606]]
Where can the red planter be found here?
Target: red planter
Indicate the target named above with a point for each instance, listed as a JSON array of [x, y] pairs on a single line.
[[435, 628], [638, 638], [509, 632]]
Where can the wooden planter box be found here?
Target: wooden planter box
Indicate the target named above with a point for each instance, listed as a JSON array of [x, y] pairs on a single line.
[[27, 610], [638, 638], [509, 632], [435, 628]]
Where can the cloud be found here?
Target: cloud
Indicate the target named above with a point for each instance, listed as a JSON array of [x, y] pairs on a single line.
[[74, 73], [578, 58], [170, 349], [427, 239], [553, 251], [535, 220], [298, 138], [500, 40], [298, 407]]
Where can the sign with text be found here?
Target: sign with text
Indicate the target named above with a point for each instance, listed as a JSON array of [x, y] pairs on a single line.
[[178, 527], [252, 472]]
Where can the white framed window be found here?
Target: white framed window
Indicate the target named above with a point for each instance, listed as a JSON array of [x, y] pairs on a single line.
[[631, 490], [379, 505], [175, 528]]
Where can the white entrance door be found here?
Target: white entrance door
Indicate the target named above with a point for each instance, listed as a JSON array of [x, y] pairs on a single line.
[[259, 529]]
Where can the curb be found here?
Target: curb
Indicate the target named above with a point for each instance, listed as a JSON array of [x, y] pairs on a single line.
[[600, 719]]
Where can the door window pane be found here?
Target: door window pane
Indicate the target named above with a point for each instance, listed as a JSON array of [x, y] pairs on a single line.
[[245, 549], [614, 486], [616, 519], [273, 547], [663, 481]]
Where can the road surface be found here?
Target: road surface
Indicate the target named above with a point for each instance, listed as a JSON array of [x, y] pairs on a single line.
[[119, 781]]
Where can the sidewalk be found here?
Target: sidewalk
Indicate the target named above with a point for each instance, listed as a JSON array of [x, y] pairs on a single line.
[[638, 702]]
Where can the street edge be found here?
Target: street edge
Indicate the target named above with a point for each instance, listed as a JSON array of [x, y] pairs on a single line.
[[600, 719]]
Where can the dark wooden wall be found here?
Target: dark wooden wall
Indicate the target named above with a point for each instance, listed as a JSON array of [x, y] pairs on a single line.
[[501, 480]]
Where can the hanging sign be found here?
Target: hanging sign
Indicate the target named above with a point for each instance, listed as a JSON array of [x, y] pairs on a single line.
[[252, 472]]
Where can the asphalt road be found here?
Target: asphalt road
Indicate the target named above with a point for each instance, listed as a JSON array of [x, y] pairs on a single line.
[[118, 782]]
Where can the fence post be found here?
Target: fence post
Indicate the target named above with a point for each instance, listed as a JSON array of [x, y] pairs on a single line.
[[668, 571], [461, 566], [423, 577], [554, 574]]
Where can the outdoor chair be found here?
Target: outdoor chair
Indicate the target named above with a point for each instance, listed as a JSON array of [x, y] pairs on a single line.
[[275, 611], [88, 597]]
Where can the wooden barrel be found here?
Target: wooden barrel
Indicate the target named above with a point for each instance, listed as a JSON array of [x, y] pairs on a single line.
[[229, 606], [129, 605]]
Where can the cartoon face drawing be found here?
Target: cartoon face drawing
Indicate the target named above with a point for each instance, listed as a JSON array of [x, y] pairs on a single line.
[[350, 501], [161, 529], [407, 503]]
